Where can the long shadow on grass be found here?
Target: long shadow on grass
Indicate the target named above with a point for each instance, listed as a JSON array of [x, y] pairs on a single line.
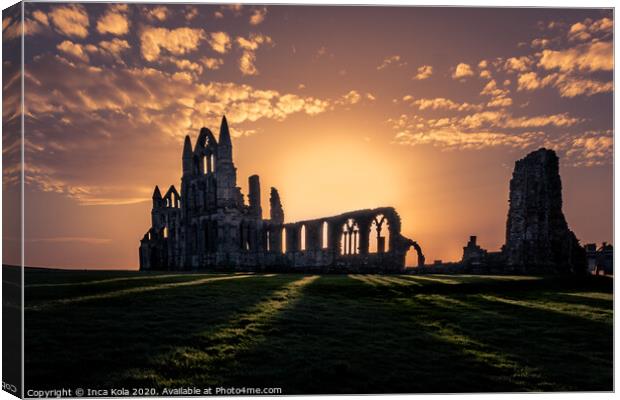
[[563, 346], [212, 354], [332, 341], [350, 336], [572, 351], [43, 294], [133, 290], [87, 344]]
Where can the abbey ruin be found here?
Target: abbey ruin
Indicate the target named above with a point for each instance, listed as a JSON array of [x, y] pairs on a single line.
[[209, 225]]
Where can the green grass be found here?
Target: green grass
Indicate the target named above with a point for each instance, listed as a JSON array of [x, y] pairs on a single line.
[[319, 334]]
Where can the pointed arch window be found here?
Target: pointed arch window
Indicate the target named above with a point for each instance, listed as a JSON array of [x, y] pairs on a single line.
[[349, 239], [379, 235]]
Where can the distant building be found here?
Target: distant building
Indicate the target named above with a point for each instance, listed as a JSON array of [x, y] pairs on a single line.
[[600, 260], [473, 254], [209, 225]]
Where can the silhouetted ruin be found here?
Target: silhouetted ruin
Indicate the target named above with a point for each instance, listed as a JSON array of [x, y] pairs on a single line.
[[209, 225], [538, 240], [537, 235]]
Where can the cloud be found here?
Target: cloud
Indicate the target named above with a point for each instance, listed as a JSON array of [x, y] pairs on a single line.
[[73, 49], [588, 149], [485, 74], [248, 57], [442, 103], [114, 22], [159, 13], [212, 63], [518, 64], [176, 41], [504, 119], [258, 15], [253, 42], [128, 111], [187, 65], [442, 133], [40, 17], [234, 8], [590, 57], [246, 63], [540, 43], [353, 97], [71, 20], [572, 87], [424, 72], [115, 47], [567, 85], [491, 89], [586, 30], [11, 29], [557, 120], [462, 71], [190, 13], [591, 149], [451, 139], [393, 60], [219, 42], [499, 96], [531, 81], [500, 101], [182, 77]]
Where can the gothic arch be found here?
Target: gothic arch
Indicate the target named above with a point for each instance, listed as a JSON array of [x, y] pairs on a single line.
[[379, 237], [349, 238]]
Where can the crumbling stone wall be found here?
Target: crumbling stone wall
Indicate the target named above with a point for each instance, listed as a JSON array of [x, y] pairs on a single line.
[[327, 254], [537, 235]]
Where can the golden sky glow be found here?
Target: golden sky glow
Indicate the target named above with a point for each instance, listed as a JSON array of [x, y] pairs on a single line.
[[422, 109]]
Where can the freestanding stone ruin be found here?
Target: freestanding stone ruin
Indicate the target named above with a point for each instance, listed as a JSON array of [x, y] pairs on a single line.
[[537, 235], [209, 225], [538, 239]]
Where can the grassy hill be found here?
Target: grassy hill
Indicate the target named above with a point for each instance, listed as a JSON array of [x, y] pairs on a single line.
[[318, 334]]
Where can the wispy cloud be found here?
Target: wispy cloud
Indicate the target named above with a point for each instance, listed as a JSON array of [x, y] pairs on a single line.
[[248, 57], [392, 60], [258, 15], [424, 72]]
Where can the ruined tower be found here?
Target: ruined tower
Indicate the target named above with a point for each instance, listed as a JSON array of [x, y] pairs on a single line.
[[537, 235], [226, 176]]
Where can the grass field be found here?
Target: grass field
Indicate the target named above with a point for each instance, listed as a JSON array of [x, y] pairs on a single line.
[[318, 334]]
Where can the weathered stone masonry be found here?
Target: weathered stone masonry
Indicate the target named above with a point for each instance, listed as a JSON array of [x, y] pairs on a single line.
[[209, 225]]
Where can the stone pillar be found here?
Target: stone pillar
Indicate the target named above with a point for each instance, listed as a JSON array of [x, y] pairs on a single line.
[[364, 236], [254, 196]]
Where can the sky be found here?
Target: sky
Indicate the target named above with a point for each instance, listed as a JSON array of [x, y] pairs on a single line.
[[339, 108]]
